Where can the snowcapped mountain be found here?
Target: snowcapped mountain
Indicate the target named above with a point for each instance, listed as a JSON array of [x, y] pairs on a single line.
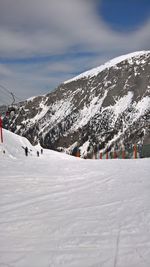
[[106, 106]]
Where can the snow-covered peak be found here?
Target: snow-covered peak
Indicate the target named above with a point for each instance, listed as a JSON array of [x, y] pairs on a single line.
[[111, 108], [107, 65]]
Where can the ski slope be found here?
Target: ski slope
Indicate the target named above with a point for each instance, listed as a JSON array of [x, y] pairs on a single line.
[[61, 211]]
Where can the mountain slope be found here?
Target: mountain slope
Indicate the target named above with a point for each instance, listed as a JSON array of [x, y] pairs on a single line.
[[108, 105]]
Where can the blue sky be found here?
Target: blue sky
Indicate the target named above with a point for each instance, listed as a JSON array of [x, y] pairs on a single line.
[[125, 15], [46, 42]]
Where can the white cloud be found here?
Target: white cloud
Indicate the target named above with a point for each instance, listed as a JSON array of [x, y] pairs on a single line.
[[5, 71], [36, 28], [53, 26]]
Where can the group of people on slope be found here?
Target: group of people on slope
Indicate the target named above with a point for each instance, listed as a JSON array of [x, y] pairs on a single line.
[[27, 151]]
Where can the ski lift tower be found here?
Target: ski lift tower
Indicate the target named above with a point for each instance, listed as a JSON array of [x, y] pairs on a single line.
[[7, 110]]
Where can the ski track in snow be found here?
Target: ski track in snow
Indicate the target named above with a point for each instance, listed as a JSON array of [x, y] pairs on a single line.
[[57, 210]]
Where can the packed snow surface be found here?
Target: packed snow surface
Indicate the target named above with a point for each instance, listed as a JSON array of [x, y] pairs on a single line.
[[61, 211], [109, 64]]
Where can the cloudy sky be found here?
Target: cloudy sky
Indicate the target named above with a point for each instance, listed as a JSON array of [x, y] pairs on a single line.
[[46, 42]]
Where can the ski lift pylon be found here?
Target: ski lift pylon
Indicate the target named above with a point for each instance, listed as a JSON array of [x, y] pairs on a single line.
[[11, 108]]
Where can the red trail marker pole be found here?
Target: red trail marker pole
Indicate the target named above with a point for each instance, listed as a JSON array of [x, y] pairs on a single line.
[[115, 154], [123, 154], [135, 151], [1, 131]]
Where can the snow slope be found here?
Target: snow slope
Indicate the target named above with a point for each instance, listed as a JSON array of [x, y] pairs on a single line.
[[61, 211], [14, 145]]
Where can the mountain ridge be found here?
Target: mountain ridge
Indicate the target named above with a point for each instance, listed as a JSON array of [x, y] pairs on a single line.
[[109, 108], [95, 71]]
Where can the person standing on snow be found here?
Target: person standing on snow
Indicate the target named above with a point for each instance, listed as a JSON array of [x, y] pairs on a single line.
[[26, 151]]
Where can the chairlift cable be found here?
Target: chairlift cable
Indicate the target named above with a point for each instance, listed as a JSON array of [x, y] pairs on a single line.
[[6, 94], [4, 88], [11, 94], [4, 102]]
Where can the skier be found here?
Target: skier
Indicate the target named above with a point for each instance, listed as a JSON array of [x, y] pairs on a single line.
[[26, 151], [41, 151], [38, 153]]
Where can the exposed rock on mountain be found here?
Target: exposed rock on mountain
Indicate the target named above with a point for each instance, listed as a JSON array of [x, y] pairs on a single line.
[[105, 106]]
